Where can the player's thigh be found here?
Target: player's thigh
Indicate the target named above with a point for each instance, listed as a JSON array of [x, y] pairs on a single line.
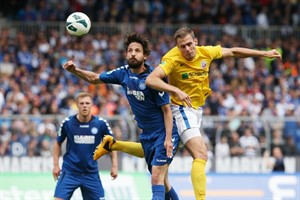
[[92, 188], [67, 183], [195, 144]]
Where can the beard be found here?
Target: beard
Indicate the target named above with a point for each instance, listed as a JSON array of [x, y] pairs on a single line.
[[135, 64]]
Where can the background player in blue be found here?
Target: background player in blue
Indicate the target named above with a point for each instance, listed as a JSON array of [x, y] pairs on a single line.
[[83, 132], [151, 108]]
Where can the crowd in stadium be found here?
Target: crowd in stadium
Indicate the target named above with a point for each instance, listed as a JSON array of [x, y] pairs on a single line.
[[32, 80], [239, 12]]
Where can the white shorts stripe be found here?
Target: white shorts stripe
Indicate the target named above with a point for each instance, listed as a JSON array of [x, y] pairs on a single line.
[[184, 117]]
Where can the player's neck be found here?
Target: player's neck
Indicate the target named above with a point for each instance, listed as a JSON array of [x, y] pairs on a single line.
[[84, 119], [139, 70]]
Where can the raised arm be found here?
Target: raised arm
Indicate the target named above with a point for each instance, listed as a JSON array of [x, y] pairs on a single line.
[[85, 75], [239, 52]]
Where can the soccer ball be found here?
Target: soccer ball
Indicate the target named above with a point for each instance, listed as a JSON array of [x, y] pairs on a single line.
[[78, 24]]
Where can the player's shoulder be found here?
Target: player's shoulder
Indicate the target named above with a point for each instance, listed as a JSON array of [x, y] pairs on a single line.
[[208, 47], [120, 69], [67, 119], [100, 120]]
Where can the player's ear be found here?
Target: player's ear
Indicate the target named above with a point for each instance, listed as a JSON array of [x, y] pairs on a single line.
[[196, 41]]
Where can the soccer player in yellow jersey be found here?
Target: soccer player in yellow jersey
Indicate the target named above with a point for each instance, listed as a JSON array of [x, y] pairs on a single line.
[[187, 67]]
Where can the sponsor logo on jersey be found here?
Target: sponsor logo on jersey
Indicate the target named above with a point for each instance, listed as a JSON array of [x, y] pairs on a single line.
[[161, 93], [162, 161], [133, 77], [84, 139], [84, 126], [139, 95], [188, 75]]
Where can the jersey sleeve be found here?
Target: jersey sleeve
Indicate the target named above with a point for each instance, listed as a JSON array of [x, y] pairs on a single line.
[[166, 65], [114, 76], [105, 127], [61, 133], [215, 52], [168, 60], [161, 98]]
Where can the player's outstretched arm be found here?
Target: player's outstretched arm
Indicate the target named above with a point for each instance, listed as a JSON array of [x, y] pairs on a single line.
[[239, 52], [85, 75]]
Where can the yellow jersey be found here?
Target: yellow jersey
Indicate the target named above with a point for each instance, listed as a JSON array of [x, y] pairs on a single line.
[[192, 77]]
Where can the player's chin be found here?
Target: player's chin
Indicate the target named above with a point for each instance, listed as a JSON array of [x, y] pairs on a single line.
[[85, 113]]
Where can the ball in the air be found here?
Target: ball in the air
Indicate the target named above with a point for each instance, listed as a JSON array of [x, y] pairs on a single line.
[[78, 24]]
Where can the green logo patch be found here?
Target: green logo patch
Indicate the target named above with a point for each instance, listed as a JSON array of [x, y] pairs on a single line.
[[185, 76]]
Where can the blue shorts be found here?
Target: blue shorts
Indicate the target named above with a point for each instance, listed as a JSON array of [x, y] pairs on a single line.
[[154, 149], [90, 185]]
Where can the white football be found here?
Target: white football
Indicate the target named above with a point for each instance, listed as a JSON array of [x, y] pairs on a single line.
[[78, 24]]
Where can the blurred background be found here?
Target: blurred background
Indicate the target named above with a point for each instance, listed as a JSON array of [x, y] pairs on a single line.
[[251, 120]]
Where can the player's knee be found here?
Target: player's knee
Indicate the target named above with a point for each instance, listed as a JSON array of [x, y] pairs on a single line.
[[157, 177]]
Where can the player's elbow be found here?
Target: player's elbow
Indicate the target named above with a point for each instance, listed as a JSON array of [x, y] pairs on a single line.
[[149, 81], [94, 80]]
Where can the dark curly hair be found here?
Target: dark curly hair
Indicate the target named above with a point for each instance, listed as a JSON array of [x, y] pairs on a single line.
[[138, 38]]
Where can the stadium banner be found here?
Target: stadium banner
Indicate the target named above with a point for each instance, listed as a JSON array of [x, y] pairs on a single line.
[[134, 164], [136, 186]]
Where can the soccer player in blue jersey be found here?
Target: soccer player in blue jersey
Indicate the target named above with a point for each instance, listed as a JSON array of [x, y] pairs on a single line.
[[159, 137], [187, 66], [83, 132]]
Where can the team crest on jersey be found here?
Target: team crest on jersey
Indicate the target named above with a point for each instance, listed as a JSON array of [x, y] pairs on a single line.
[[203, 64], [142, 85], [94, 130], [163, 63]]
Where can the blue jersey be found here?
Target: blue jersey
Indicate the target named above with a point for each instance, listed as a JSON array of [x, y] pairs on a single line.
[[82, 140], [145, 102]]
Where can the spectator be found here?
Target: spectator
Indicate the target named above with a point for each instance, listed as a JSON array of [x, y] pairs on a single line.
[[234, 144], [222, 148], [249, 143], [290, 148], [277, 163]]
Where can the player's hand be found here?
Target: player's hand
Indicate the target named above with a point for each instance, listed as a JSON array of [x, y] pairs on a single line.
[[183, 97], [273, 54], [69, 66], [114, 173], [169, 147], [56, 172]]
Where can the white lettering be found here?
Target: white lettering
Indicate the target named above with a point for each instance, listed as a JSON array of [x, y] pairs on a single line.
[[84, 139], [26, 164], [139, 95], [278, 186]]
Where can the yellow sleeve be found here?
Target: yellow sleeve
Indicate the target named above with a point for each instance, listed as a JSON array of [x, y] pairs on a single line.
[[214, 52], [167, 66]]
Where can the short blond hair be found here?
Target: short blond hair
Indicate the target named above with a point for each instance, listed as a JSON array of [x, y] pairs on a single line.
[[83, 94], [182, 32]]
